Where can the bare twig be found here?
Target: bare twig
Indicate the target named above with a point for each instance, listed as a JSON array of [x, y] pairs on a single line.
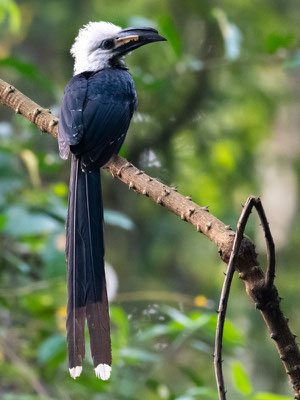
[[205, 222], [270, 272], [225, 295], [266, 288]]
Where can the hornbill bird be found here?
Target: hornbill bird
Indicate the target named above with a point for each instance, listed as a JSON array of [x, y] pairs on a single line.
[[97, 106]]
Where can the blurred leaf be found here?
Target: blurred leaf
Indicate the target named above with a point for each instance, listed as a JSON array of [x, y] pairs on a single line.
[[56, 207], [2, 221], [38, 302], [17, 261], [7, 186], [231, 334], [120, 320], [31, 162], [192, 375], [10, 8], [119, 219], [176, 315], [201, 346], [29, 71], [195, 392], [154, 331], [180, 321], [240, 379], [134, 354], [60, 189], [224, 154], [53, 255], [277, 41], [20, 222], [269, 396], [51, 348], [231, 35], [168, 29]]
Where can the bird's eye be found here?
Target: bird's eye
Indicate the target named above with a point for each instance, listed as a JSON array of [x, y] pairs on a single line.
[[107, 44]]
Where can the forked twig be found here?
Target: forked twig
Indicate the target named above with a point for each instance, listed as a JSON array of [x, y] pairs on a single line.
[[268, 282], [270, 272]]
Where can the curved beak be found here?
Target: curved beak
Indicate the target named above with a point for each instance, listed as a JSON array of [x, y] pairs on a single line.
[[131, 38]]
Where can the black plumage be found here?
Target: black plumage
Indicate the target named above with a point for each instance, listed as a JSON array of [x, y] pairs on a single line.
[[96, 111]]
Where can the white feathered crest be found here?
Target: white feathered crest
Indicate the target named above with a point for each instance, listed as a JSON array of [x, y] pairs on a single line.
[[85, 50]]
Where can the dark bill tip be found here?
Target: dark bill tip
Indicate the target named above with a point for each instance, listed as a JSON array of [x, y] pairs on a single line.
[[146, 34]]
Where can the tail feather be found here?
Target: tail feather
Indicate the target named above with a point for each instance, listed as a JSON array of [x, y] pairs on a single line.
[[87, 297], [75, 310], [97, 305]]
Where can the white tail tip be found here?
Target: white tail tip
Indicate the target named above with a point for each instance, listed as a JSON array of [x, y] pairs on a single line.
[[102, 371], [75, 372]]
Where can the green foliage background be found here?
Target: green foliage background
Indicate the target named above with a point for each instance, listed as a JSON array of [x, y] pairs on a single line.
[[219, 118]]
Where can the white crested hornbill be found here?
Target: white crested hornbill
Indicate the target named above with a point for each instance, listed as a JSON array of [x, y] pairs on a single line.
[[96, 110]]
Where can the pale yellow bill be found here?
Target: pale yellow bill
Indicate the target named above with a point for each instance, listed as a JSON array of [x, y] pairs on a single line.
[[127, 39]]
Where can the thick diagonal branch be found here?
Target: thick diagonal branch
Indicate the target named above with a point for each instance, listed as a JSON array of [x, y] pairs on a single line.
[[204, 222]]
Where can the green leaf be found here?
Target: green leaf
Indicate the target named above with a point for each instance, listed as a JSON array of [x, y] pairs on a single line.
[[240, 379], [2, 221], [231, 335], [119, 219], [60, 189], [53, 256], [29, 71], [10, 8], [51, 348], [21, 222], [7, 186], [176, 316], [121, 334], [134, 354], [168, 29], [277, 41], [195, 392], [154, 331], [269, 396], [193, 376]]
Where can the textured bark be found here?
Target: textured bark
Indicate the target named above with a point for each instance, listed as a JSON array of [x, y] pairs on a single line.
[[267, 301]]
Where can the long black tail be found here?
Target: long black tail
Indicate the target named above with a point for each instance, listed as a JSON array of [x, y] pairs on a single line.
[[87, 298]]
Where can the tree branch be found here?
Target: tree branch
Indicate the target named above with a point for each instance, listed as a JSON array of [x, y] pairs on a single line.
[[266, 290], [225, 295], [205, 222], [270, 272]]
